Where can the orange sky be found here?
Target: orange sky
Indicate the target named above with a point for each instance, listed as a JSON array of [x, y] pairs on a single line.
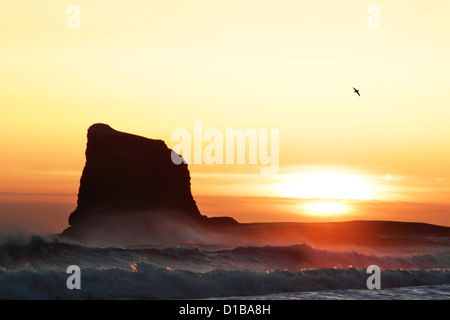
[[153, 67]]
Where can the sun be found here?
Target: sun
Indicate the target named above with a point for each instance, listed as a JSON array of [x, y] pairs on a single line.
[[325, 208], [328, 186], [328, 191]]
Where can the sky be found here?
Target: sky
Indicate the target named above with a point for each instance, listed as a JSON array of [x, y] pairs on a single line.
[[154, 67]]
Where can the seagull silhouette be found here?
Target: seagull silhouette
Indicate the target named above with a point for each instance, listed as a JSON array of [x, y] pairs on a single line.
[[356, 91]]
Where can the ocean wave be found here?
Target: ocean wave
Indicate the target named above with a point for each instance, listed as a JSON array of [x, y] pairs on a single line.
[[34, 267], [39, 254], [425, 292], [149, 282]]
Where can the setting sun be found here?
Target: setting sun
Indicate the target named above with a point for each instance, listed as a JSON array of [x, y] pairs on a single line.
[[327, 186], [325, 208]]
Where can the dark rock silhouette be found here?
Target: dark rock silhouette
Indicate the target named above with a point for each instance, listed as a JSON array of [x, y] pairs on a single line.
[[130, 188]]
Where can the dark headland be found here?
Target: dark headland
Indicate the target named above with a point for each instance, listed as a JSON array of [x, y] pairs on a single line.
[[131, 193]]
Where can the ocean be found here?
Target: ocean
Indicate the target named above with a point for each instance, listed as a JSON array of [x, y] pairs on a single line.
[[35, 267]]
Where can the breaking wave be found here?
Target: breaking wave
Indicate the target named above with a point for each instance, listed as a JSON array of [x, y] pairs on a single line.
[[35, 268], [149, 282]]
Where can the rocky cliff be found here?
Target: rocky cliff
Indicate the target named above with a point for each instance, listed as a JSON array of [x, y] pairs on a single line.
[[131, 189]]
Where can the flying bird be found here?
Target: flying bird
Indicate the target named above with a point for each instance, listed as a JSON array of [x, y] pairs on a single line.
[[356, 91]]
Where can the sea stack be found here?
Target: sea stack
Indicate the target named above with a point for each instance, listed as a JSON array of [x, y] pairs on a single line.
[[131, 191]]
